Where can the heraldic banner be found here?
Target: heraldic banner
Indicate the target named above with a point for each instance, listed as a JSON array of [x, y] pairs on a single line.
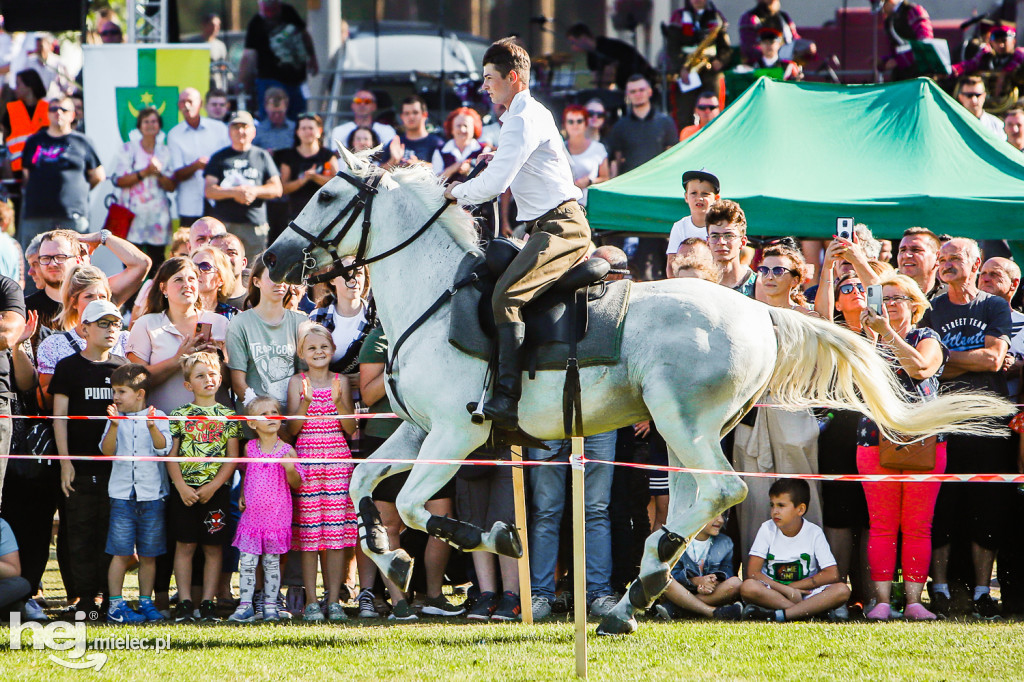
[[121, 80]]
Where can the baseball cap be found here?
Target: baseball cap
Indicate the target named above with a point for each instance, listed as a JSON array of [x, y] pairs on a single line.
[[702, 174], [99, 309], [241, 118]]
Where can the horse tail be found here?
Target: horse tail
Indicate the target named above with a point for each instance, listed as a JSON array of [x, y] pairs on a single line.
[[821, 364]]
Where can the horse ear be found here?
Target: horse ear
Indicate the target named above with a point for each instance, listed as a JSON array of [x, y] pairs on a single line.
[[348, 157]]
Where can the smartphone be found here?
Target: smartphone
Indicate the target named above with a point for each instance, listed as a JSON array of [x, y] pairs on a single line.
[[204, 332], [844, 228], [875, 298]]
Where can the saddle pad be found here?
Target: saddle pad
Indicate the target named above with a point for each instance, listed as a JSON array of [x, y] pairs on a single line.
[[601, 345]]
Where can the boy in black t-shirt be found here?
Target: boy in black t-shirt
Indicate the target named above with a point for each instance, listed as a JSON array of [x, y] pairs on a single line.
[[81, 386]]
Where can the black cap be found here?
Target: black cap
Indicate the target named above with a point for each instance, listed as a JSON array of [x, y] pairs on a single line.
[[704, 175]]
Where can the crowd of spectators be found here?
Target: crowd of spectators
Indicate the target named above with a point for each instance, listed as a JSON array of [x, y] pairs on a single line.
[[192, 325]]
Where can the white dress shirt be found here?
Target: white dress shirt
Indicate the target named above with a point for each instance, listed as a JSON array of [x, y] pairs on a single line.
[[531, 159], [188, 144]]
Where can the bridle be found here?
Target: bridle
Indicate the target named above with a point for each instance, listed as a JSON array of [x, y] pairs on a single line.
[[361, 202]]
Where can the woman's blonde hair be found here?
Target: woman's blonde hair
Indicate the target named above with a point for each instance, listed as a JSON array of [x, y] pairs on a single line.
[[224, 271], [918, 301], [309, 328], [261, 403], [78, 280]]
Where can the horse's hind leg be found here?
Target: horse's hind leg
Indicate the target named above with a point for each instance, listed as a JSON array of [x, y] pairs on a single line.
[[694, 499], [426, 479], [373, 537]]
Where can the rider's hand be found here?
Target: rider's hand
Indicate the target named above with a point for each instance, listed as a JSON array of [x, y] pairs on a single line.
[[448, 191]]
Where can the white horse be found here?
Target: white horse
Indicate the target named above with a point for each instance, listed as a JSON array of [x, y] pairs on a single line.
[[695, 358]]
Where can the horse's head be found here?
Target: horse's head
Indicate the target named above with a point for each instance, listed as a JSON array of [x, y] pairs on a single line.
[[303, 247]]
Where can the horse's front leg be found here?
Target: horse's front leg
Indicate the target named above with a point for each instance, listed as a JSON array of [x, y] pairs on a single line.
[[404, 444], [454, 445]]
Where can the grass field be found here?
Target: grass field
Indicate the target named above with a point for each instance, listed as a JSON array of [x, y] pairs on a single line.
[[461, 651]]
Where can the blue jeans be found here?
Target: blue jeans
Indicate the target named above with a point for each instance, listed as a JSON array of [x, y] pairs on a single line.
[[547, 502], [296, 99]]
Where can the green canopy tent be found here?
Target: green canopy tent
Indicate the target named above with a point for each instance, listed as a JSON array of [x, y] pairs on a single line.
[[797, 155]]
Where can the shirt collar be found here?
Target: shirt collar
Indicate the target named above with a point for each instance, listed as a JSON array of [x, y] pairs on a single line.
[[450, 148], [517, 104]]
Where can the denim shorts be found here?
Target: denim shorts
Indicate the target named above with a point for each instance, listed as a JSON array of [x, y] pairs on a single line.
[[136, 525]]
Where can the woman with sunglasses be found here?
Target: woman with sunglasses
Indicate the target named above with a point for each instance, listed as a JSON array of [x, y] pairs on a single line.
[[896, 507], [307, 166], [597, 120], [844, 257], [779, 277], [216, 280], [588, 158]]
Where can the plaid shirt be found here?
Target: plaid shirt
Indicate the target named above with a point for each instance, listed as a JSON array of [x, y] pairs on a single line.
[[348, 363]]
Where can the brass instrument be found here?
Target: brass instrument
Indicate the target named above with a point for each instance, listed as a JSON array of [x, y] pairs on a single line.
[[1002, 89], [701, 56]]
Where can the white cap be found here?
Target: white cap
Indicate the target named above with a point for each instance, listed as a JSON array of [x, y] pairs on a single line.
[[99, 309]]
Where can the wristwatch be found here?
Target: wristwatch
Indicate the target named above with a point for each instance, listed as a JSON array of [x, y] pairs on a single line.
[[104, 234]]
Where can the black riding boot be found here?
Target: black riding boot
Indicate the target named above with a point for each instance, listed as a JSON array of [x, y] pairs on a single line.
[[503, 407]]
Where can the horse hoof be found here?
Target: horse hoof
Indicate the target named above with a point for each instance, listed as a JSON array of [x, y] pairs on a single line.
[[399, 569], [613, 625], [506, 540]]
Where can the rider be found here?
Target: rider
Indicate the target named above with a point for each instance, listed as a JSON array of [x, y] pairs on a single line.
[[998, 53], [531, 158]]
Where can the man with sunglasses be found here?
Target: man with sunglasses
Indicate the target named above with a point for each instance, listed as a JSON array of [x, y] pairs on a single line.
[[971, 93], [364, 105], [706, 110], [60, 167]]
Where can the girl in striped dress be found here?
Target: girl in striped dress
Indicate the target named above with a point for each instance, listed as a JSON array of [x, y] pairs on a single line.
[[324, 521]]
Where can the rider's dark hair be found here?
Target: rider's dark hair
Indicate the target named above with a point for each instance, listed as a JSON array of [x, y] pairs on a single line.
[[507, 55], [798, 489]]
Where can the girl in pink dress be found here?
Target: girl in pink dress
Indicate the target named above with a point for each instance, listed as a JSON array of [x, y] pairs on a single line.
[[325, 519], [265, 528]]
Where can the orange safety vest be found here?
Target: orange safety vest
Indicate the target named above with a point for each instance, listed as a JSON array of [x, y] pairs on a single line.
[[22, 127]]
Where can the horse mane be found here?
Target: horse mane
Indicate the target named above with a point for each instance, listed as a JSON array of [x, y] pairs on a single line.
[[427, 187]]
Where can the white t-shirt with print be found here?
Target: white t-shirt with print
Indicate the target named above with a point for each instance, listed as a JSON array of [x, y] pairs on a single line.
[[788, 559], [684, 229]]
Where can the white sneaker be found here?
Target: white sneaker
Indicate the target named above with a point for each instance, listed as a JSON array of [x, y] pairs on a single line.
[[541, 607]]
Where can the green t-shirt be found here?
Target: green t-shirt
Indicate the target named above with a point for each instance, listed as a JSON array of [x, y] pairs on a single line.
[[375, 350], [203, 439], [266, 353]]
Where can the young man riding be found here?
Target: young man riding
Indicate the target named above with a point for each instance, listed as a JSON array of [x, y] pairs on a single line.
[[531, 158]]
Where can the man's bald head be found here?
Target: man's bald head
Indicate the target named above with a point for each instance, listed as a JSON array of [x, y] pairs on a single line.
[[999, 277], [203, 230]]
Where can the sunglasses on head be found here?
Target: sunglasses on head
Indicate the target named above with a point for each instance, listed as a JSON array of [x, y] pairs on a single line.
[[848, 288], [777, 271]]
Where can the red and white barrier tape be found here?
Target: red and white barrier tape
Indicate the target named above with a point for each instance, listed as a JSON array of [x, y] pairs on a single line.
[[860, 478]]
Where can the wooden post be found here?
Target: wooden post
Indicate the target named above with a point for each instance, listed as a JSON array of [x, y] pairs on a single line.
[[519, 495], [579, 551]]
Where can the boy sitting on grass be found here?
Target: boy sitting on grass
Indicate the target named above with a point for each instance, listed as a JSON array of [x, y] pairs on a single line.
[[137, 490], [791, 572], [702, 580], [198, 511]]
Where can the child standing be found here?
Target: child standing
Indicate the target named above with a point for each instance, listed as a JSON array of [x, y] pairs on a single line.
[[137, 490], [266, 503], [702, 580], [325, 519], [81, 386], [792, 573], [198, 513]]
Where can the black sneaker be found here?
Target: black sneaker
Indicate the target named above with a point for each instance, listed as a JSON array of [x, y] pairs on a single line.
[[484, 606], [183, 612], [940, 605], [208, 612], [985, 608], [755, 612], [508, 608], [732, 611]]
